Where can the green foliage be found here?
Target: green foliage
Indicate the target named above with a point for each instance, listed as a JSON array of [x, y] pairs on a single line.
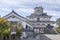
[[58, 21], [58, 29], [6, 32], [19, 30], [4, 26]]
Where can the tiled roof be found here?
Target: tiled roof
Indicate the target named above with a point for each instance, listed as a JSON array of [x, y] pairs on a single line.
[[14, 13], [43, 21], [39, 15]]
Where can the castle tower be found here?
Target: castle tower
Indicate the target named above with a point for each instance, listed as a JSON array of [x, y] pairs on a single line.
[[38, 10], [39, 19]]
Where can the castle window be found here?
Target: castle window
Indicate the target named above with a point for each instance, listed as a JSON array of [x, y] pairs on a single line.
[[38, 19], [26, 27], [14, 23], [13, 16], [38, 10]]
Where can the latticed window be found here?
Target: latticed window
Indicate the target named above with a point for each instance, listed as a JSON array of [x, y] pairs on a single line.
[[13, 16], [14, 23], [26, 27], [38, 19], [38, 10]]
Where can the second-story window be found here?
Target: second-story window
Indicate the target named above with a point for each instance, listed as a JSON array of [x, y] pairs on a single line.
[[38, 10], [26, 27], [38, 19]]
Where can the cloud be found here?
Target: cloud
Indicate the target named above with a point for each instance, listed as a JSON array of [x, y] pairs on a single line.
[[52, 7], [8, 2], [26, 10], [54, 14]]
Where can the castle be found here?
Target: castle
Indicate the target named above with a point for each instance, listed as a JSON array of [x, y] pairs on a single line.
[[38, 22]]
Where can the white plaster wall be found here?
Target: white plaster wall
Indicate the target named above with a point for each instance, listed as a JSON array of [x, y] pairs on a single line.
[[21, 21], [14, 15], [13, 32], [30, 26], [13, 19], [44, 19], [23, 35], [32, 19], [36, 30], [24, 24], [40, 10]]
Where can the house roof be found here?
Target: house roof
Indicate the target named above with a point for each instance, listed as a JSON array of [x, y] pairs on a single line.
[[42, 22], [24, 19], [14, 13]]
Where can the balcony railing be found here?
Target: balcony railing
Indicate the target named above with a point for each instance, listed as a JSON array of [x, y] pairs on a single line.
[[39, 25], [27, 30]]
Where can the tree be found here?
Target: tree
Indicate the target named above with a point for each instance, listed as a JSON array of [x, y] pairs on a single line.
[[58, 23], [58, 29], [18, 31], [5, 31], [4, 28]]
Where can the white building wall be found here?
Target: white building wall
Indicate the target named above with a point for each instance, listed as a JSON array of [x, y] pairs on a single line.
[[32, 19], [38, 10], [24, 24], [13, 19], [44, 19], [19, 20], [23, 35]]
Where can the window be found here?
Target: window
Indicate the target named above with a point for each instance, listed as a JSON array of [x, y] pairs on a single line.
[[38, 10], [29, 27], [43, 24], [14, 23], [26, 27], [38, 19], [38, 24], [13, 16]]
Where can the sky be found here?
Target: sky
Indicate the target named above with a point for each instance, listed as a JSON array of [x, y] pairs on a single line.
[[26, 7]]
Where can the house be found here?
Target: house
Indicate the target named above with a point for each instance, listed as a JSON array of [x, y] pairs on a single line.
[[36, 22], [40, 20]]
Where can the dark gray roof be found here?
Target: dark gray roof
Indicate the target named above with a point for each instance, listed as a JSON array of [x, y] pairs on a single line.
[[39, 15], [14, 13], [38, 7], [43, 21], [43, 14], [27, 30]]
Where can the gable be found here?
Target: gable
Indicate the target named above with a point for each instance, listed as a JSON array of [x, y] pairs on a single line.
[[13, 16]]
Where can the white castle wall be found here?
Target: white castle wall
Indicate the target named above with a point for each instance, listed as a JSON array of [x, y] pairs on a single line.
[[13, 19], [44, 19], [32, 19]]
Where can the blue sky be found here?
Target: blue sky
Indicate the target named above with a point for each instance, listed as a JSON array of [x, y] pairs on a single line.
[[25, 7]]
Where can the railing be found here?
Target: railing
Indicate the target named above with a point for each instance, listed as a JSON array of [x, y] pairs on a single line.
[[55, 30], [27, 30], [39, 25], [41, 21]]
